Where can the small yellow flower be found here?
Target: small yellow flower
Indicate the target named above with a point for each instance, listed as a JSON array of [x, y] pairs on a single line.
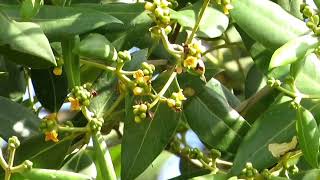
[[138, 74], [51, 136], [75, 104], [171, 103], [227, 8], [190, 62], [57, 71], [179, 96]]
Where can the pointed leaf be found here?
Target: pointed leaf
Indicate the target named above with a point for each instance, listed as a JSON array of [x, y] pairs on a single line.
[[306, 175], [63, 22], [25, 38], [51, 90], [293, 50], [308, 136], [143, 142], [71, 61]]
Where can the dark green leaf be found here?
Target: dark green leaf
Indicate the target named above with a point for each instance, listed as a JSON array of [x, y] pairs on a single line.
[[43, 154], [139, 147], [260, 20], [293, 51], [276, 125], [16, 120], [30, 8], [102, 160], [51, 90], [13, 82], [208, 28], [63, 22], [49, 174], [220, 126], [25, 38], [189, 170], [255, 81], [308, 136], [96, 46]]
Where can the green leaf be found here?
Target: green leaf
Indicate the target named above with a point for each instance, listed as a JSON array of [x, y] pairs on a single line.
[[308, 136], [65, 22], [306, 175], [139, 147], [220, 126], [25, 38], [208, 28], [30, 8], [71, 61], [49, 174], [308, 78], [317, 3], [81, 162], [260, 20], [43, 154], [96, 46], [13, 82], [103, 161], [51, 90], [189, 170], [255, 81], [276, 125], [213, 176], [293, 50], [16, 120]]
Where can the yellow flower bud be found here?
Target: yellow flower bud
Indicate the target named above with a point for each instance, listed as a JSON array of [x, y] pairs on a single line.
[[190, 62], [171, 102], [57, 71], [149, 6], [51, 136], [137, 91]]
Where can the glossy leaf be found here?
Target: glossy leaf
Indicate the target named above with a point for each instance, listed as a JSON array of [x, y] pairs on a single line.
[[139, 147], [51, 90], [293, 51], [71, 61], [220, 126], [208, 28], [49, 174], [255, 81], [80, 162], [103, 161], [43, 154], [276, 125], [25, 38], [96, 46], [260, 20], [16, 120], [13, 82], [65, 22], [308, 78], [308, 136]]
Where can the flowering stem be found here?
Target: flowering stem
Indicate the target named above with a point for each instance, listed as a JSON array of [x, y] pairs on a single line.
[[73, 129], [196, 26], [208, 166], [170, 47], [3, 162], [105, 67], [12, 151], [164, 89]]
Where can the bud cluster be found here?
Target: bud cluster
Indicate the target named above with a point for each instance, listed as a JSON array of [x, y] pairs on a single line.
[[313, 18], [140, 112], [176, 99], [226, 4], [80, 95], [159, 11], [249, 171], [124, 56], [96, 124], [143, 80], [13, 142]]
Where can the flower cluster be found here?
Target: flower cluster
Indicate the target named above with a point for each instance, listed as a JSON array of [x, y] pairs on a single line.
[[96, 124], [13, 142], [49, 126], [140, 112], [226, 4], [124, 56], [160, 13], [192, 60], [143, 79], [80, 96], [313, 18], [175, 101]]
